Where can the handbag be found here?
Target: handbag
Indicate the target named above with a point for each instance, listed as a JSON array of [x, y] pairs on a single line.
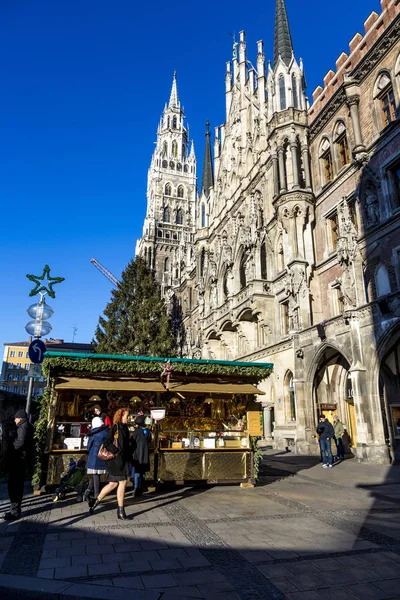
[[105, 454]]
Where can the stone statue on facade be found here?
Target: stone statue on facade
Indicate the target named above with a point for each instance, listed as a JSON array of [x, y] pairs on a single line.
[[230, 282], [348, 288], [371, 206], [214, 295]]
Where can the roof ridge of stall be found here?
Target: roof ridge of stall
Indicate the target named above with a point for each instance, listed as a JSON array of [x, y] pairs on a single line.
[[125, 357]]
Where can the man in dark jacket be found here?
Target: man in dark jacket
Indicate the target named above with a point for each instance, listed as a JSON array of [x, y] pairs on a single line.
[[326, 433], [140, 442], [19, 459]]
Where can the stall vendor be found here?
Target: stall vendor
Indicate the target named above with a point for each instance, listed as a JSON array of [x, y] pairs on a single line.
[[99, 413]]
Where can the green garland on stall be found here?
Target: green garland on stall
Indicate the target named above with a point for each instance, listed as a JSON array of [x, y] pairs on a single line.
[[39, 438], [257, 456], [143, 367]]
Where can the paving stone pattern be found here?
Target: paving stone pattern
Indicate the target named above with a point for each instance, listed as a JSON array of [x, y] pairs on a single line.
[[303, 534]]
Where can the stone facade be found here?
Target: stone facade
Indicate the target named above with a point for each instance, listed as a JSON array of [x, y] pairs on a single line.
[[296, 257]]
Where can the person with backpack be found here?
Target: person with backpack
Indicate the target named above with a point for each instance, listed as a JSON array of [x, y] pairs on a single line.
[[140, 442], [20, 458]]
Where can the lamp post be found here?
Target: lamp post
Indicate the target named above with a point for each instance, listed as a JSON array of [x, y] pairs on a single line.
[[39, 325]]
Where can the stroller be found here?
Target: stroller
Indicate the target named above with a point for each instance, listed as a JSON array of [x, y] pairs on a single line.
[[75, 480]]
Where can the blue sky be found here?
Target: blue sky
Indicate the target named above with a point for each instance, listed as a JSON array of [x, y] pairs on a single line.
[[83, 84]]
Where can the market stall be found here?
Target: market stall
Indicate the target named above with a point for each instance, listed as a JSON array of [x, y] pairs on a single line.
[[204, 428]]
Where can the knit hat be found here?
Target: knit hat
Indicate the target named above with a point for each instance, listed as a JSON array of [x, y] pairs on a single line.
[[97, 422], [139, 420], [21, 414]]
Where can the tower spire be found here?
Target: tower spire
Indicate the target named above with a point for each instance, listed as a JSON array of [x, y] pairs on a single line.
[[207, 179], [173, 99], [283, 45]]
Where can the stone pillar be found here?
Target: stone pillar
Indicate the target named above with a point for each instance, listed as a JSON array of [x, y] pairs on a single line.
[[353, 103], [295, 165], [282, 178], [306, 164], [267, 416], [275, 172]]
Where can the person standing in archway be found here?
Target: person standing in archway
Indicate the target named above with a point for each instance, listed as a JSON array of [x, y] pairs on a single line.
[[326, 433], [339, 432]]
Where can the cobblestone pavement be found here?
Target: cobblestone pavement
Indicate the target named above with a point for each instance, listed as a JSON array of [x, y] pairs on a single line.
[[304, 533]]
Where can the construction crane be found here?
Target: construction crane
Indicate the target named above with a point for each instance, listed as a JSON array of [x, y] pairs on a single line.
[[105, 272]]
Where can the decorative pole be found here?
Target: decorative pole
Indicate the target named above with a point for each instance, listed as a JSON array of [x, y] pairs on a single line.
[[39, 325]]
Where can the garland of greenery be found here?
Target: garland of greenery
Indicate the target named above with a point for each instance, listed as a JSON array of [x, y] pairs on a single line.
[[257, 455], [61, 363], [40, 436]]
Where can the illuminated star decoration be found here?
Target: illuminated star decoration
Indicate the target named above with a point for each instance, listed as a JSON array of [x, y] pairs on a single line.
[[43, 279]]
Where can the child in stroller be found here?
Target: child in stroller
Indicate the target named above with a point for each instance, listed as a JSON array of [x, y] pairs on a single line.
[[75, 479]]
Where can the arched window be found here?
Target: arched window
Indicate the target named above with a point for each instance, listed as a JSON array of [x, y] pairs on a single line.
[[174, 149], [181, 191], [168, 189], [382, 282], [242, 272], [186, 168], [171, 165], [282, 92], [295, 92], [179, 217], [327, 162], [263, 261], [165, 164], [166, 265], [174, 123], [166, 215], [203, 214], [386, 99], [179, 167], [342, 146]]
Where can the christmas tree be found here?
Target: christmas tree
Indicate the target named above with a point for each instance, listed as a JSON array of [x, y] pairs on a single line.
[[136, 321]]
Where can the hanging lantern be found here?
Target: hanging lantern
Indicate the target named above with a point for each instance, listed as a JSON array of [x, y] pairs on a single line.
[[40, 311], [135, 399], [209, 400], [175, 400], [38, 328]]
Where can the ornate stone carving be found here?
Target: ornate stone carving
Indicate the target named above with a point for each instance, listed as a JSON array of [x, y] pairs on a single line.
[[347, 241], [348, 287]]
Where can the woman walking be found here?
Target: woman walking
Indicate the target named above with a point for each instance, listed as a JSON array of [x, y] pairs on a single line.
[[95, 465], [117, 442]]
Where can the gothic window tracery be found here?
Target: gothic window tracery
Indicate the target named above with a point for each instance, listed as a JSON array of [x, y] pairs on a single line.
[[282, 92], [179, 217], [179, 167], [168, 189], [171, 164], [203, 214], [384, 95], [342, 146], [326, 161], [166, 215], [295, 92], [166, 265], [164, 164], [186, 168], [174, 123], [181, 192]]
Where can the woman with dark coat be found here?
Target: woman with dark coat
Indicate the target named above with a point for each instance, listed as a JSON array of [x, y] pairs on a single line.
[[117, 442], [95, 465]]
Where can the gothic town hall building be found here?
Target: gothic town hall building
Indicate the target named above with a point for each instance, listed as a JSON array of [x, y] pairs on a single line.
[[290, 251]]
